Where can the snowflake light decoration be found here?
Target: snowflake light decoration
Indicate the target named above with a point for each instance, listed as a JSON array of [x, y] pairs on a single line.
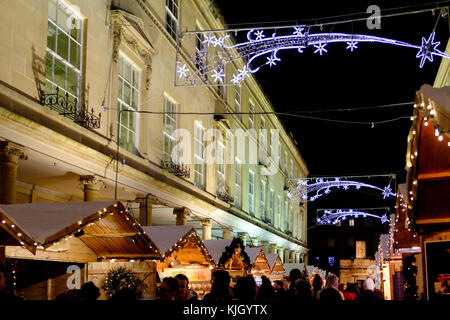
[[182, 71], [333, 216], [261, 46], [320, 48], [351, 45], [218, 75], [323, 186]]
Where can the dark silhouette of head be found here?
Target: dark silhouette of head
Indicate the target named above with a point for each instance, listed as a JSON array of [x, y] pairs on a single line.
[[245, 289]]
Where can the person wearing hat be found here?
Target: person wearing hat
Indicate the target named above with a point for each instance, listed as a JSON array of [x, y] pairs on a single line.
[[369, 293]]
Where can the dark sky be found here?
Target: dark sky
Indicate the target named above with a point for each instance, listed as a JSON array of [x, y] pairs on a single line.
[[373, 74]]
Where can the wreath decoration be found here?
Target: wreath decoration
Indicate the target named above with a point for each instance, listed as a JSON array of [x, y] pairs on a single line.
[[119, 278]]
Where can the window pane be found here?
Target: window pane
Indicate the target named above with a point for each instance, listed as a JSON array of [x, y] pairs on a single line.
[[134, 101], [126, 93], [72, 82], [131, 146], [120, 87], [125, 116], [51, 36], [123, 136], [135, 78], [127, 71], [59, 73], [132, 120], [63, 45], [74, 54]]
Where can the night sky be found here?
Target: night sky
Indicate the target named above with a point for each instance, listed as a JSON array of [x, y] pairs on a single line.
[[373, 74]]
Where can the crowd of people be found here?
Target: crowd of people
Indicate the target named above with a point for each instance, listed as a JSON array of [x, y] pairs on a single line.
[[298, 287]]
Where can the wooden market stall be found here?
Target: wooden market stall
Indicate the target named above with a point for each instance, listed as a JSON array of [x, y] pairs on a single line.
[[183, 252], [47, 244], [260, 264], [276, 266], [428, 185], [230, 255]]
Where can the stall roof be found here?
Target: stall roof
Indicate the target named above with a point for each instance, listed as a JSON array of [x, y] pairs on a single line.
[[107, 227], [217, 247], [272, 259], [253, 253], [441, 100], [167, 236]]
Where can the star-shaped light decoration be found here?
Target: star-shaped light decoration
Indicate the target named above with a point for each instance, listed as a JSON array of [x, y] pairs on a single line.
[[182, 71], [351, 45], [427, 50], [384, 219], [259, 35], [218, 75], [387, 191], [321, 48], [209, 39], [299, 31]]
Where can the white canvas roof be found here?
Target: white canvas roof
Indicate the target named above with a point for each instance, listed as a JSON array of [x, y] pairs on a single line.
[[216, 248], [165, 237]]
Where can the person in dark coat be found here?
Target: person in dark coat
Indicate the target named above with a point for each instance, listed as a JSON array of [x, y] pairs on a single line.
[[266, 291], [184, 293], [369, 293], [220, 289], [331, 292], [6, 295]]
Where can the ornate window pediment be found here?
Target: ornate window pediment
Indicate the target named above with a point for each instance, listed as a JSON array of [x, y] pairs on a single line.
[[129, 30]]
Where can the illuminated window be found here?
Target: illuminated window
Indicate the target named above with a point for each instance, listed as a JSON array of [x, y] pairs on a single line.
[[169, 127], [172, 17], [199, 162], [251, 192], [237, 184]]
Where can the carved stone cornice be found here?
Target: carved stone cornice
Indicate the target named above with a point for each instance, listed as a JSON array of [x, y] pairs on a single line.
[[12, 152], [125, 33]]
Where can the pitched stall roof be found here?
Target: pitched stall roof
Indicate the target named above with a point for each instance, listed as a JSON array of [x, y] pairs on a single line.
[[109, 230], [216, 248], [275, 263], [172, 237], [258, 259]]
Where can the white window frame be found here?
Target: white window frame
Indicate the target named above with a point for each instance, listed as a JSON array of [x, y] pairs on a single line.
[[174, 16], [286, 213], [123, 105], [262, 134], [286, 161], [237, 183], [251, 192], [263, 199], [170, 124], [279, 212], [279, 155], [291, 173], [271, 206], [53, 54], [199, 155], [238, 100], [199, 47], [251, 115], [220, 167]]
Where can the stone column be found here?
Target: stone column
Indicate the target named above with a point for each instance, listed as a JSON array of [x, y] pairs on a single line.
[[91, 187], [273, 248], [10, 154], [297, 257], [254, 241], [287, 255], [145, 211], [226, 233], [206, 229], [243, 237], [280, 251], [265, 246], [182, 214], [291, 256]]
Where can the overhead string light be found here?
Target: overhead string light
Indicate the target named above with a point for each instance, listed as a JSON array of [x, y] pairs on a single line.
[[321, 186], [261, 46]]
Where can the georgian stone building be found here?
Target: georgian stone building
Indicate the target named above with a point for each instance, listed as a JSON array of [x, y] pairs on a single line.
[[67, 72]]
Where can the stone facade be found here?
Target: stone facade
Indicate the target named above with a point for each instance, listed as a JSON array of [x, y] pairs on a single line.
[[67, 161]]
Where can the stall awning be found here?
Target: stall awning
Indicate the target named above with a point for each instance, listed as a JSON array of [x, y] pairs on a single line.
[[171, 238], [105, 227]]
